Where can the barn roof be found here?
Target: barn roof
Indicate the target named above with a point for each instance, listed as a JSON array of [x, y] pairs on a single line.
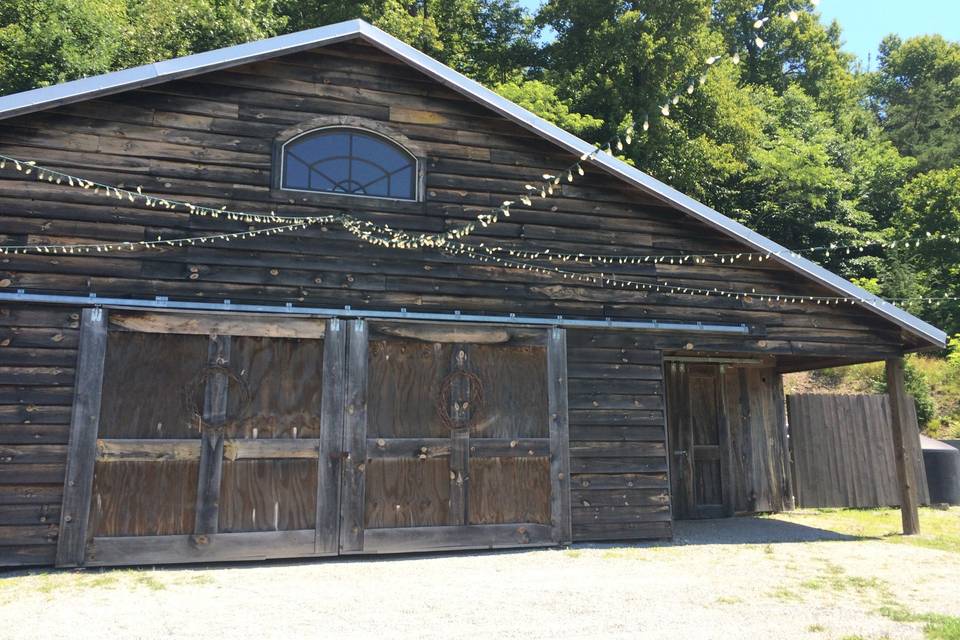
[[151, 74]]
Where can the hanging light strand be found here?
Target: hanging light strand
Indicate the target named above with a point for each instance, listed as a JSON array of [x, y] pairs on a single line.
[[160, 242], [656, 286]]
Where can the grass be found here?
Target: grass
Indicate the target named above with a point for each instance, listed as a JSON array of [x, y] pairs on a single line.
[[940, 529], [52, 583], [936, 626]]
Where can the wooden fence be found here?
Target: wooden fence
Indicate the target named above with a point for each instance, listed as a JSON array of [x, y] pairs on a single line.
[[842, 449]]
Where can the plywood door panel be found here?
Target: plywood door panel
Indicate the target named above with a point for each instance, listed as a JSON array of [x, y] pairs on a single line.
[[143, 498], [268, 495], [504, 490], [515, 391], [406, 375], [275, 388], [405, 492], [153, 386]]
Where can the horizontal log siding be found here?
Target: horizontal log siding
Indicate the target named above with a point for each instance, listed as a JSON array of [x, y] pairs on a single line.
[[38, 353], [618, 460]]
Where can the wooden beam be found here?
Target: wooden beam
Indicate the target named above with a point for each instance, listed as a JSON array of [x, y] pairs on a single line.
[[467, 334], [218, 324], [84, 424], [142, 450], [557, 386], [354, 439], [459, 410], [327, 526], [260, 545], [904, 431], [211, 451], [488, 536], [150, 450]]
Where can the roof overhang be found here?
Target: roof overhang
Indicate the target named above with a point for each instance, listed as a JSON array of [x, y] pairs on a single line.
[[151, 74]]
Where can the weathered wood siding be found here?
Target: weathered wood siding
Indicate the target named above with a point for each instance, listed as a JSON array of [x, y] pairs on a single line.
[[843, 451], [618, 455], [759, 455], [38, 354]]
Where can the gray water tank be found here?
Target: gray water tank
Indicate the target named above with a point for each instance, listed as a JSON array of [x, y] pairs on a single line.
[[942, 463]]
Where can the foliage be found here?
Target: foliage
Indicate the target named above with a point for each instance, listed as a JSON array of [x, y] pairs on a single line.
[[541, 98], [954, 357]]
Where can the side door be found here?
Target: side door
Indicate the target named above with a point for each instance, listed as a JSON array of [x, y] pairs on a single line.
[[455, 437], [699, 441], [199, 438]]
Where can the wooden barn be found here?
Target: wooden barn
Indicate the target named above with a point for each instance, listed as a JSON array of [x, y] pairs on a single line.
[[313, 391]]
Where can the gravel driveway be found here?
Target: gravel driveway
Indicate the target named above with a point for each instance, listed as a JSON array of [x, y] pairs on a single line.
[[722, 579]]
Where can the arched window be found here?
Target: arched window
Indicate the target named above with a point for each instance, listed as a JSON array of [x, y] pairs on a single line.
[[349, 161]]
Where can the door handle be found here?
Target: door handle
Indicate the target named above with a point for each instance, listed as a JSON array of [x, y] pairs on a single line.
[[343, 455], [680, 453]]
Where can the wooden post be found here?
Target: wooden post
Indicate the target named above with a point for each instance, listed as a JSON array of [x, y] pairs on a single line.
[[460, 410], [559, 435], [331, 437], [354, 452], [211, 451], [903, 428], [82, 450]]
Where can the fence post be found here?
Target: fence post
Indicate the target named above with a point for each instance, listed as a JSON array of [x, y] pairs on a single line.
[[902, 428]]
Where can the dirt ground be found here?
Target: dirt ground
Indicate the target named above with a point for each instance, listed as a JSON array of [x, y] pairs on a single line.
[[740, 578]]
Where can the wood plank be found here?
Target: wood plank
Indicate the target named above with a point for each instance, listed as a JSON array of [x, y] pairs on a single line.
[[277, 448], [560, 466], [219, 324], [212, 440], [327, 527], [352, 537], [84, 424], [904, 431], [145, 550], [449, 538], [466, 333], [147, 450], [460, 409]]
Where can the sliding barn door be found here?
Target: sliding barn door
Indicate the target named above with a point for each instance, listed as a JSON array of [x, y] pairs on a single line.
[[215, 439], [455, 438], [700, 440]]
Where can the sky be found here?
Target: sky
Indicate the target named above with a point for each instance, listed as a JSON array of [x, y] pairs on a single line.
[[866, 22]]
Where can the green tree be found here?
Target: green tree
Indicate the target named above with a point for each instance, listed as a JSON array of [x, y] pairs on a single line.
[[916, 95]]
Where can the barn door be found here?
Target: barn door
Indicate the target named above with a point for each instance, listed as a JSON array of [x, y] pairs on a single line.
[[454, 437], [699, 440], [212, 441]]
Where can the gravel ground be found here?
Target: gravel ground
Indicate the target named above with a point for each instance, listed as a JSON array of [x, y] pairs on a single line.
[[741, 578]]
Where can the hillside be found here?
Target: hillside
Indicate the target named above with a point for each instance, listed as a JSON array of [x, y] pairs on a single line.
[[934, 382]]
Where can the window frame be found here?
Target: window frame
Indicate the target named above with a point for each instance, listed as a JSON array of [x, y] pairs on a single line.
[[368, 128]]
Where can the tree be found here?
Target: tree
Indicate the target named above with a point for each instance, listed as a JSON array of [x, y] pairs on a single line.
[[916, 95]]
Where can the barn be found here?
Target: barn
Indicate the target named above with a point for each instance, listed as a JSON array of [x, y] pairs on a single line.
[[268, 302]]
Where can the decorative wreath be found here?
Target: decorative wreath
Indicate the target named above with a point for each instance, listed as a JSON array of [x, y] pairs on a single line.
[[474, 402]]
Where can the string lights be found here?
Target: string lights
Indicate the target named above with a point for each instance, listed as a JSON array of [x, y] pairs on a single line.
[[657, 286], [159, 242]]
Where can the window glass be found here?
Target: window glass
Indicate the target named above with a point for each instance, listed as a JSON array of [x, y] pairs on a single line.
[[351, 162]]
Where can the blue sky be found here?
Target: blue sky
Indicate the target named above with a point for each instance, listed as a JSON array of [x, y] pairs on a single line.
[[866, 22]]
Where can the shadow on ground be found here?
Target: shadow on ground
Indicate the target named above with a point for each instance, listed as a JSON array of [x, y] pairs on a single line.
[[748, 530]]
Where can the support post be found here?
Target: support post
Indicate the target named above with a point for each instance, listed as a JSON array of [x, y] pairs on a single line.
[[460, 411], [354, 448], [329, 462], [82, 450], [903, 427], [211, 447], [557, 387]]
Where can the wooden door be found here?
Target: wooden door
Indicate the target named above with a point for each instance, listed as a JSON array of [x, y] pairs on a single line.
[[455, 437], [214, 439], [699, 441]]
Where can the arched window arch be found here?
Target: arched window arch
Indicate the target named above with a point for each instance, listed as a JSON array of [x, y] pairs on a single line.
[[348, 160]]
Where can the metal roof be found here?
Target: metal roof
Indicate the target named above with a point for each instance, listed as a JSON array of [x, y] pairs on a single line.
[[110, 83]]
